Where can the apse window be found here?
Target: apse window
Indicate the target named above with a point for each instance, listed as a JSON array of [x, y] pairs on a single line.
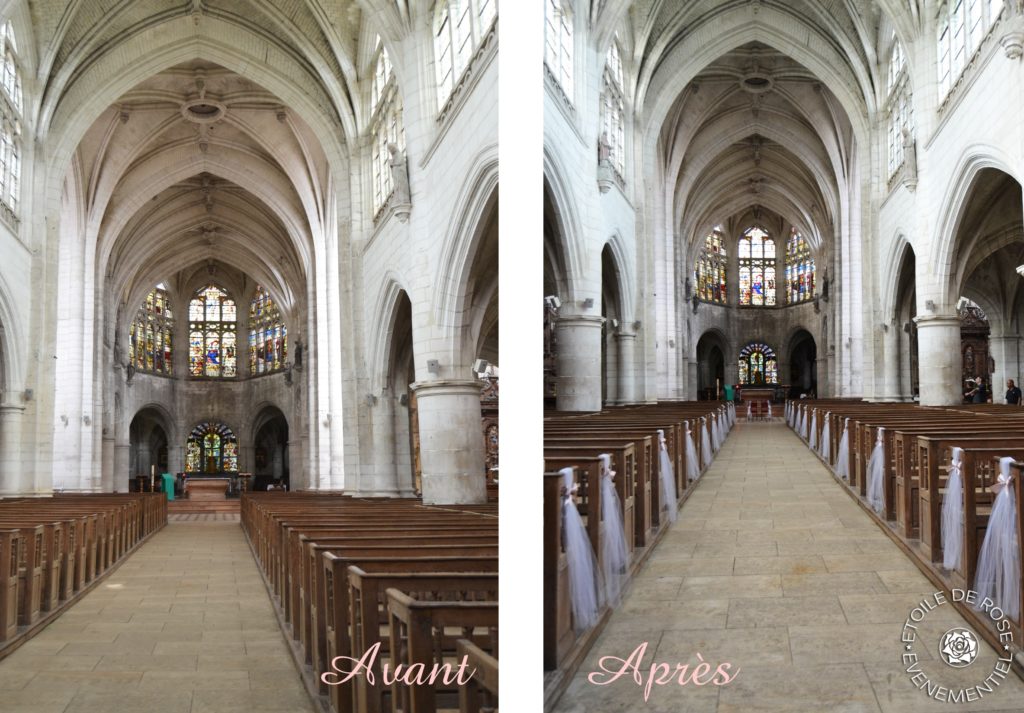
[[460, 26], [151, 334], [709, 272], [268, 337], [211, 448], [799, 269], [758, 365], [757, 268], [212, 317]]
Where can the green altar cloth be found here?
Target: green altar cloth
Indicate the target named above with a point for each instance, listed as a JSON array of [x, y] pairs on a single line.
[[168, 485]]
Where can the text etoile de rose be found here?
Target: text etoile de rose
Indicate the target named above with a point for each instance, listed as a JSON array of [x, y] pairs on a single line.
[[613, 668], [414, 674]]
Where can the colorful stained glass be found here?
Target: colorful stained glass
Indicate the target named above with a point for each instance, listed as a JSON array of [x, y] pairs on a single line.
[[211, 448], [709, 273], [149, 339], [758, 365], [799, 269], [757, 268], [268, 337], [212, 333]]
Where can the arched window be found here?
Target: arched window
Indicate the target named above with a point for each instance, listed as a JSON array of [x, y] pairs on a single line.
[[899, 107], [709, 272], [757, 268], [613, 111], [961, 28], [558, 39], [10, 121], [758, 365], [211, 448], [386, 125], [149, 339], [799, 269], [268, 338], [211, 338], [459, 27]]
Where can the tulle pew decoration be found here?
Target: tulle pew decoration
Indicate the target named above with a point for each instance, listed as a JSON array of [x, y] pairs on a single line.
[[705, 443], [769, 410], [842, 468], [716, 433], [953, 512], [583, 588], [614, 550], [692, 467], [876, 465], [812, 439], [999, 573], [750, 412], [803, 423], [825, 445], [668, 479]]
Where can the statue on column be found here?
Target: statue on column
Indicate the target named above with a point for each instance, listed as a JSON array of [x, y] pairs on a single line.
[[909, 159], [604, 149], [399, 174]]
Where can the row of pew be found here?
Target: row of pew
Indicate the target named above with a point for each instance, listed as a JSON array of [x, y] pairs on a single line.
[[632, 438], [396, 580], [917, 450], [53, 549]]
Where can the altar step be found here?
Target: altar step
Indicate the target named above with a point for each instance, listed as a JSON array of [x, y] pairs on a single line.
[[183, 506]]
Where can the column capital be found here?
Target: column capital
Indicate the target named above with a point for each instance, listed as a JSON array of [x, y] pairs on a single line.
[[937, 320], [442, 387], [625, 336], [580, 320]]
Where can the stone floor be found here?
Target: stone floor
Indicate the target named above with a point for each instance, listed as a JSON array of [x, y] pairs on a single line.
[[183, 626], [773, 568]]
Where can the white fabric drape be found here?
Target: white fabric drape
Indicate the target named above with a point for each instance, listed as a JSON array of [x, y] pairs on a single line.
[[787, 411], [812, 437], [716, 433], [668, 479], [583, 589], [953, 512], [843, 456], [999, 572], [614, 550], [803, 424], [705, 443], [876, 496], [825, 444], [692, 467], [750, 413], [769, 410]]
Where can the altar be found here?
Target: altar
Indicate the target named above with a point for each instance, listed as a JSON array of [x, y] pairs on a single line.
[[207, 488]]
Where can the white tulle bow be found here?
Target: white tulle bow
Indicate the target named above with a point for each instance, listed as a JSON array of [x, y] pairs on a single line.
[[953, 512], [999, 573]]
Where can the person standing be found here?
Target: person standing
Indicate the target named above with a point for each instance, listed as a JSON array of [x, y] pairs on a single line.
[[1013, 394], [980, 395]]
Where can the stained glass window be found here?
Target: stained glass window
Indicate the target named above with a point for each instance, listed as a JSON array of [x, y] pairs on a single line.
[[709, 272], [150, 335], [459, 28], [211, 448], [799, 269], [758, 365], [757, 268], [558, 42], [268, 337], [386, 126], [211, 339]]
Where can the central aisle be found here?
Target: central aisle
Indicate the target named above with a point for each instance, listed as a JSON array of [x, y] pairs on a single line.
[[185, 625], [773, 568]]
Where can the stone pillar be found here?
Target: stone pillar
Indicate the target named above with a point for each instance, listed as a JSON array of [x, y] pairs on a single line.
[[938, 342], [891, 364], [451, 442], [579, 363], [122, 466], [384, 478], [175, 458], [691, 378], [1005, 352], [109, 475], [627, 372], [13, 479]]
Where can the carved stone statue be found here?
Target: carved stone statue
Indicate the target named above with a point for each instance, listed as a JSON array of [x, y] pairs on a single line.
[[604, 148], [399, 173], [298, 354], [909, 157]]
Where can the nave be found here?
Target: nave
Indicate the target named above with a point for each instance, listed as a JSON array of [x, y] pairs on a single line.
[[773, 568], [185, 625]]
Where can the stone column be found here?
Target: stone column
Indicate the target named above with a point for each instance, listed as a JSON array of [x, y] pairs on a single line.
[[451, 441], [13, 479], [383, 481], [891, 364], [122, 466], [1005, 352], [938, 342], [627, 374], [109, 475], [579, 363]]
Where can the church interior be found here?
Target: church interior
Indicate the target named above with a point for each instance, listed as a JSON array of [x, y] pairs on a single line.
[[248, 346], [783, 250]]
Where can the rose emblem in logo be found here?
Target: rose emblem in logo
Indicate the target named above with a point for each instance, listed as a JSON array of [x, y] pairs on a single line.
[[958, 647]]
